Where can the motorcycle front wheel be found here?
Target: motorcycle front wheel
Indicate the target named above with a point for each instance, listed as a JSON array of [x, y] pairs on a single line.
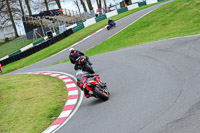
[[100, 94]]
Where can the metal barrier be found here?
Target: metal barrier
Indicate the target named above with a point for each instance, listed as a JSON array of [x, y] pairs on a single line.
[[19, 54]]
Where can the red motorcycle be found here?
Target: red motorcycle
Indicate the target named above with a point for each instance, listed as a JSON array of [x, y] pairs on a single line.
[[97, 87], [84, 64]]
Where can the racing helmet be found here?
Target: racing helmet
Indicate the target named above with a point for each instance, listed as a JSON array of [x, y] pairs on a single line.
[[71, 50]]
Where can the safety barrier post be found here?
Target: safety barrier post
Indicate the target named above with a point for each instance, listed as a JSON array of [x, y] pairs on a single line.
[[0, 68]]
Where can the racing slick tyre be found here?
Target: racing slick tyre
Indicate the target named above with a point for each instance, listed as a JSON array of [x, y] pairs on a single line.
[[108, 27], [100, 94], [88, 68]]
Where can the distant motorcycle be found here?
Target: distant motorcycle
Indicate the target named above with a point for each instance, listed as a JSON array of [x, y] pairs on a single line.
[[84, 64], [97, 87], [112, 24]]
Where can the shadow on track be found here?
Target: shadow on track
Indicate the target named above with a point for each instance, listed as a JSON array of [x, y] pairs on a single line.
[[97, 101]]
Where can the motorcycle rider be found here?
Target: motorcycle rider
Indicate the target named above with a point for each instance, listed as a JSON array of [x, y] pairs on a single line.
[[82, 80], [110, 21], [74, 55]]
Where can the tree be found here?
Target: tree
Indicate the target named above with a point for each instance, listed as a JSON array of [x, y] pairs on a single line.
[[58, 3], [105, 6], [22, 10], [41, 5], [28, 7], [99, 6], [77, 4], [84, 7], [11, 18], [46, 4], [8, 13], [90, 7], [2, 5]]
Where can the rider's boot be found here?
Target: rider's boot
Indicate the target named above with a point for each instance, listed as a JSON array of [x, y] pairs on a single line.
[[91, 94]]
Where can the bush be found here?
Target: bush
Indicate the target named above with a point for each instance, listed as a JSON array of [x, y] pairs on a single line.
[[6, 39]]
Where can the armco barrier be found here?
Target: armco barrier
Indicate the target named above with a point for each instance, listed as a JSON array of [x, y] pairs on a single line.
[[79, 26], [99, 18], [151, 1], [89, 22], [57, 32], [39, 41], [71, 26], [121, 10], [142, 3], [133, 6], [19, 54], [110, 14], [15, 53], [27, 47], [69, 31]]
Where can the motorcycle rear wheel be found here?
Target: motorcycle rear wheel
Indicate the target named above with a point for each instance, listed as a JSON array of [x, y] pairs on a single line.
[[88, 68], [100, 94]]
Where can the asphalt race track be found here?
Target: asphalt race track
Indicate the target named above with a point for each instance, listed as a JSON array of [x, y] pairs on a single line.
[[154, 87]]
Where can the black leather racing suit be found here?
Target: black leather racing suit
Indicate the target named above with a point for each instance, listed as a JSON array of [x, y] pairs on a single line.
[[74, 55]]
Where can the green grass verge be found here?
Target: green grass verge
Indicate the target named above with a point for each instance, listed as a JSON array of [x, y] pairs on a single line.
[[30, 103], [178, 18], [65, 43]]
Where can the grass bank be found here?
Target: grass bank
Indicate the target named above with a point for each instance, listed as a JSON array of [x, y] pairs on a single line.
[[178, 18], [29, 103], [65, 42]]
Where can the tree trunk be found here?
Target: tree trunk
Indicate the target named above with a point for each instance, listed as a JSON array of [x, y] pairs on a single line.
[[22, 10], [84, 7], [58, 3], [76, 2], [99, 6], [28, 6], [11, 18], [105, 6], [46, 4], [89, 5]]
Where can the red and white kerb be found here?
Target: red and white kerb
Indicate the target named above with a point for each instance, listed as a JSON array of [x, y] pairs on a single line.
[[71, 100]]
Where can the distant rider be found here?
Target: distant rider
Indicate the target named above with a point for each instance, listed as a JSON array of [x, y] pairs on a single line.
[[74, 55], [110, 21]]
